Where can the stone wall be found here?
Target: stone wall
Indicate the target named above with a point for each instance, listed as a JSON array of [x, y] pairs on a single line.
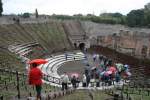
[[128, 40]]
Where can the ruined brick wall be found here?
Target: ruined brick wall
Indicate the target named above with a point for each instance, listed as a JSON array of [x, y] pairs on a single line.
[[128, 40]]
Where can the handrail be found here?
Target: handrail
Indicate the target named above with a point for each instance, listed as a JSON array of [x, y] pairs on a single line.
[[46, 77], [25, 45], [22, 47], [52, 79]]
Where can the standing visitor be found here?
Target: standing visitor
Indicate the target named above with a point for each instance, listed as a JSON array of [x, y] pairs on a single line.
[[88, 78], [35, 79], [66, 55], [97, 58], [74, 82], [84, 81], [65, 80], [94, 57], [117, 77]]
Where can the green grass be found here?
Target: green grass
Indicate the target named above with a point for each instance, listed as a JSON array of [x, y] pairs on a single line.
[[49, 35], [139, 97], [134, 93], [10, 61]]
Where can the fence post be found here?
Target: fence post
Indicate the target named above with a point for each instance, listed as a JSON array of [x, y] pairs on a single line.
[[148, 92], [1, 98], [47, 78], [6, 86], [18, 88], [30, 94], [53, 80], [11, 76], [127, 95]]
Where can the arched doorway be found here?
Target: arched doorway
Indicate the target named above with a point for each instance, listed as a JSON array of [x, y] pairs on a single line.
[[81, 46], [144, 51], [75, 45]]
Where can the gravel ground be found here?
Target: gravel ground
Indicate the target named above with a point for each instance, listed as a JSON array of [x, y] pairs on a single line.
[[74, 66]]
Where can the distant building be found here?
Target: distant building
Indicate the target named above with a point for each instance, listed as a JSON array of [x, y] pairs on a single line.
[[147, 6]]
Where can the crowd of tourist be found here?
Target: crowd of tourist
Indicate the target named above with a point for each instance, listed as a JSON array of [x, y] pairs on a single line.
[[102, 72]]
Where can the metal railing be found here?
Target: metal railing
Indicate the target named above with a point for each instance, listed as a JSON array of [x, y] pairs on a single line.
[[19, 80]]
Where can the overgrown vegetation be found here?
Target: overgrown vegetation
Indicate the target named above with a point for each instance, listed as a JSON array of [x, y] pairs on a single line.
[[135, 18], [108, 18], [1, 7]]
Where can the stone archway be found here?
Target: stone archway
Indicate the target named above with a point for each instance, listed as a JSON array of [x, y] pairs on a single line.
[[75, 45], [82, 46], [144, 51]]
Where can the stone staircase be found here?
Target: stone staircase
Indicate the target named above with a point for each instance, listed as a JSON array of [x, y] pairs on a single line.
[[49, 96], [75, 32]]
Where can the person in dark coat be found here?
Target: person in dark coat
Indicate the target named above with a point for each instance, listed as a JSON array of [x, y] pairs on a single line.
[[66, 56], [88, 78], [74, 82]]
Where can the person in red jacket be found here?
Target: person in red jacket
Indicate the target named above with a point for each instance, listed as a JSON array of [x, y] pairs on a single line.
[[35, 79]]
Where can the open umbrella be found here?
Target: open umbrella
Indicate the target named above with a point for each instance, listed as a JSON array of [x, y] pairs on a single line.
[[102, 73], [112, 69], [128, 73], [108, 72], [126, 67], [119, 66], [93, 68], [38, 61], [74, 74]]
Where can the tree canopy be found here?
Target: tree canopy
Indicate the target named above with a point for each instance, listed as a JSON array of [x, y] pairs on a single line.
[[26, 15], [135, 18], [139, 17], [36, 13], [1, 7]]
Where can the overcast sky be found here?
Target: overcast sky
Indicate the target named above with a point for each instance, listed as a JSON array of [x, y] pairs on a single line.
[[71, 7]]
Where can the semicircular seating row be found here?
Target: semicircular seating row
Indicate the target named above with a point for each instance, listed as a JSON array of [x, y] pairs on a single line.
[[50, 68], [22, 50], [55, 62]]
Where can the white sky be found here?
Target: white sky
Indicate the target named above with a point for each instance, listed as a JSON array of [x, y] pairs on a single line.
[[71, 7]]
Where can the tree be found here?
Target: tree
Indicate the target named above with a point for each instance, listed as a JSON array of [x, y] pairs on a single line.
[[136, 18], [147, 14], [36, 13], [78, 15], [89, 15], [1, 7], [118, 15], [26, 15]]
